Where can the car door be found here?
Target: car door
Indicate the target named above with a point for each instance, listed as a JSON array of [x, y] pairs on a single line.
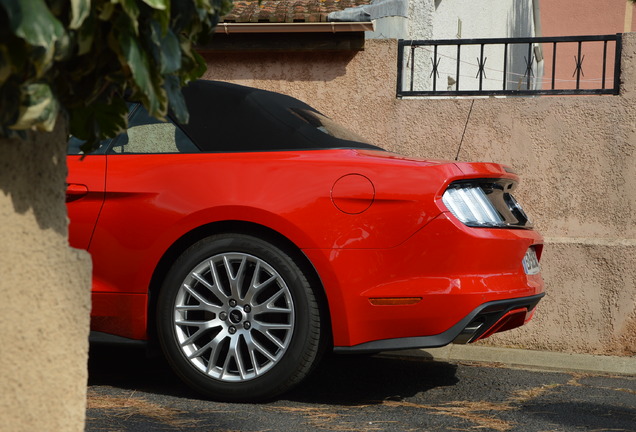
[[85, 191], [140, 171]]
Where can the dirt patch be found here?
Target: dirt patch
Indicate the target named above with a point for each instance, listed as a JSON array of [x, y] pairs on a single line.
[[125, 407], [324, 419], [474, 412]]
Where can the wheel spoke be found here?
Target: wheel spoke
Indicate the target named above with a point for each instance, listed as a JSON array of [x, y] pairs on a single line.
[[217, 322], [187, 323], [213, 344], [270, 306], [254, 347], [267, 327], [215, 351], [264, 330], [203, 303], [252, 351], [236, 279], [255, 285], [207, 307], [202, 281], [234, 353], [198, 333], [217, 288]]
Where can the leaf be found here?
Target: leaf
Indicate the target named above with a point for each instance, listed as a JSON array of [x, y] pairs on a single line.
[[108, 48], [194, 65], [9, 97], [80, 10], [137, 61], [85, 37], [6, 67], [99, 120], [183, 14], [132, 10], [63, 48], [158, 4], [165, 49], [164, 17], [111, 119], [200, 68], [33, 21], [41, 60], [177, 101], [38, 108], [107, 11]]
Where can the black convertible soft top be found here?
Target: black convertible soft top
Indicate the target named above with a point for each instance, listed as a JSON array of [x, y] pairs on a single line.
[[232, 118]]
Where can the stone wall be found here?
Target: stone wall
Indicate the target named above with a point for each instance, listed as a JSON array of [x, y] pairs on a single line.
[[575, 155]]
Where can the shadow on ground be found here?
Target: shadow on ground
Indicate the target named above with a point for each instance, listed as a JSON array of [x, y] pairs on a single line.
[[338, 380], [132, 368], [345, 380]]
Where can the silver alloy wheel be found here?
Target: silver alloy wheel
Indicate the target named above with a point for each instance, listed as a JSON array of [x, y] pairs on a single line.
[[233, 317]]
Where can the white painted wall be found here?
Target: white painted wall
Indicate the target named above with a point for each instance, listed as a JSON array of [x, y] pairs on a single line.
[[471, 19]]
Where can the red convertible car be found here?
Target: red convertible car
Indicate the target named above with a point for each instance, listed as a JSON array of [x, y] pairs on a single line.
[[261, 234]]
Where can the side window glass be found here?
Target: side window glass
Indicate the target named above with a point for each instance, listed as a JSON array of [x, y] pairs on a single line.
[[148, 135]]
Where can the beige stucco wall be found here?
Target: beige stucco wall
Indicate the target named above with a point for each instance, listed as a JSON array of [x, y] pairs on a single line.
[[45, 291], [575, 155]]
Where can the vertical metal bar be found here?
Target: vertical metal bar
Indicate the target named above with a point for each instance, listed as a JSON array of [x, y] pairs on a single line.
[[481, 63], [505, 66], [554, 49], [529, 65], [458, 61], [412, 66], [400, 66], [604, 64], [435, 68], [578, 69], [617, 63]]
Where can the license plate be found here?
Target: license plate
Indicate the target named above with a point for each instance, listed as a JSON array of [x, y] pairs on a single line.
[[531, 262]]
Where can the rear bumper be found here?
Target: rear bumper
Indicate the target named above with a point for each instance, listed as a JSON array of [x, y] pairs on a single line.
[[426, 291], [485, 320]]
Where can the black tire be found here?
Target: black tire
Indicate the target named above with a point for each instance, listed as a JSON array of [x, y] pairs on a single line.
[[227, 334]]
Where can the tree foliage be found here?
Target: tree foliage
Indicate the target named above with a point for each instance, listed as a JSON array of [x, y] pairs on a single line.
[[80, 57]]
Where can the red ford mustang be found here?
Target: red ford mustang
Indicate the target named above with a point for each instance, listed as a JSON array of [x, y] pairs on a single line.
[[260, 234]]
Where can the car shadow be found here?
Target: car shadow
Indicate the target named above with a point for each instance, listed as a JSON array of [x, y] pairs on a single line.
[[338, 380], [355, 380], [133, 367]]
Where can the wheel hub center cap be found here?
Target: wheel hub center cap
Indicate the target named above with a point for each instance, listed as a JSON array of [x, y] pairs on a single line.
[[236, 316]]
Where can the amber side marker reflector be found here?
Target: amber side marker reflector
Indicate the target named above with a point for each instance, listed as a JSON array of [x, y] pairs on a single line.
[[399, 301]]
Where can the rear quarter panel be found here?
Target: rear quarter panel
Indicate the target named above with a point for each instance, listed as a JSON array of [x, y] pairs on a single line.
[[152, 200]]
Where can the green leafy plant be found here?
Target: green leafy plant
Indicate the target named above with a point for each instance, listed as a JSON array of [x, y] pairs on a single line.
[[80, 57]]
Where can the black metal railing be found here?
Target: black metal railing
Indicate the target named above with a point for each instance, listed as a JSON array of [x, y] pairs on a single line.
[[571, 65]]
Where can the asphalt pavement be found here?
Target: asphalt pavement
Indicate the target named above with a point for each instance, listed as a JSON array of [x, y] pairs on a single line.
[[408, 391]]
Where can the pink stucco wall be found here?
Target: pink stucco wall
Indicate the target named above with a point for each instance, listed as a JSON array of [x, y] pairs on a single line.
[[583, 17]]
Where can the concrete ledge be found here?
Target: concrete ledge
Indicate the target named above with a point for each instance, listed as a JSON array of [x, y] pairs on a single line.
[[526, 358]]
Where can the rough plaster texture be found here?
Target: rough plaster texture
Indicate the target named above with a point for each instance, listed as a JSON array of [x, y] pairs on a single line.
[[575, 155], [45, 290]]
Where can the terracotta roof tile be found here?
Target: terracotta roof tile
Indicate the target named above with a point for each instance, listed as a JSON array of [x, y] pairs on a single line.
[[286, 11]]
